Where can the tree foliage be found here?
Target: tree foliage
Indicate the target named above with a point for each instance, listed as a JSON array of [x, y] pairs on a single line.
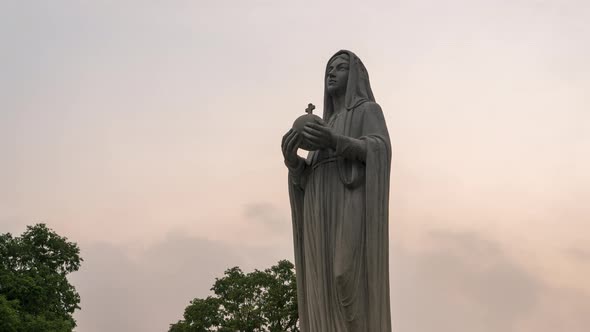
[[35, 294], [260, 301]]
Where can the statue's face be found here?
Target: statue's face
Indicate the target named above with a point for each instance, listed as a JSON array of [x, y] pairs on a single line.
[[337, 75]]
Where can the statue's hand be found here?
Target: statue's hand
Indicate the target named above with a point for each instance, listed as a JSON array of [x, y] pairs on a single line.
[[289, 145], [319, 135]]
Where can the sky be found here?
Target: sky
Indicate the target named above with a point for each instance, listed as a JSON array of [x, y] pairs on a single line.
[[148, 132]]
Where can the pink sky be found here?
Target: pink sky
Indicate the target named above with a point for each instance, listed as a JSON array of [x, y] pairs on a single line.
[[149, 133]]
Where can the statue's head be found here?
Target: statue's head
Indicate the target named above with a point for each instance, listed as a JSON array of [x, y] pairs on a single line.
[[346, 76], [337, 75]]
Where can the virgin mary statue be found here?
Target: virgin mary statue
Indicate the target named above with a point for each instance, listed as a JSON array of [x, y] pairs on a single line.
[[339, 204]]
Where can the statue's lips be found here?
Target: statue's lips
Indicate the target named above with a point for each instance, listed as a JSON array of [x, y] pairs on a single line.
[[331, 82]]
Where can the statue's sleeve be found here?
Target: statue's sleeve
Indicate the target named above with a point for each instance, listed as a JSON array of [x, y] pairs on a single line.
[[368, 129], [370, 166], [296, 174], [296, 197], [372, 125], [351, 148], [377, 164]]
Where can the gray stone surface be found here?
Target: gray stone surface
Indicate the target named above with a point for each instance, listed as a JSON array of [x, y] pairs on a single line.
[[339, 202]]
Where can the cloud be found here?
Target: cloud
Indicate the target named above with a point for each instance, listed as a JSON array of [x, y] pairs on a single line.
[[453, 282], [579, 254], [269, 216], [465, 282], [126, 292], [559, 309], [146, 293], [458, 281]]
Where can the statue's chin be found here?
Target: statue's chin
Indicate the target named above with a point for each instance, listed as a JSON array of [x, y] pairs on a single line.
[[335, 91]]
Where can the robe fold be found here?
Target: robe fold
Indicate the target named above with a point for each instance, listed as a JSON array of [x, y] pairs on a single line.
[[339, 205]]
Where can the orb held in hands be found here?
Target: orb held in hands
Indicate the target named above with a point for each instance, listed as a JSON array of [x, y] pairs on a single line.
[[300, 123]]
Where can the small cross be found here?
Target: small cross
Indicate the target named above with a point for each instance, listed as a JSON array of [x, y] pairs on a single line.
[[310, 108]]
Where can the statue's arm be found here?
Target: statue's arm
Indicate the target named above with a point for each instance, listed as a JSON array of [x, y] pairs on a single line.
[[373, 124], [351, 148], [294, 163], [297, 166], [296, 171]]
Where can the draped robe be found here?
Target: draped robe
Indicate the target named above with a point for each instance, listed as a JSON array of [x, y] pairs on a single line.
[[339, 203]]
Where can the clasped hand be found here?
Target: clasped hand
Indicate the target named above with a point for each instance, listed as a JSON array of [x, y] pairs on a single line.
[[289, 145], [317, 134]]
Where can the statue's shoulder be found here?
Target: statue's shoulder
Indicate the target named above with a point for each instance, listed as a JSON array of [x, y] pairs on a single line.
[[368, 106]]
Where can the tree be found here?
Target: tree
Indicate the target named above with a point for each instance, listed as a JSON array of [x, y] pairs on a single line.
[[260, 301], [35, 294]]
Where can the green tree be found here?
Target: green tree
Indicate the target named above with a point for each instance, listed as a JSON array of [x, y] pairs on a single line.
[[260, 301], [35, 294]]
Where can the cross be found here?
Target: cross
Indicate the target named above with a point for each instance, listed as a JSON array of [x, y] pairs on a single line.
[[310, 108]]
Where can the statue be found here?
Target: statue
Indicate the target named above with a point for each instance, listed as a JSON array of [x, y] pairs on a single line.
[[339, 206]]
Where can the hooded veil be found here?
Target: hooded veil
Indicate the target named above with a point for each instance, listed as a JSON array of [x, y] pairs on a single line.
[[345, 191], [358, 89]]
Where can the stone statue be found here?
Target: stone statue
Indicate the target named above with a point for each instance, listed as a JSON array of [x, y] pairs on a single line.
[[339, 205]]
